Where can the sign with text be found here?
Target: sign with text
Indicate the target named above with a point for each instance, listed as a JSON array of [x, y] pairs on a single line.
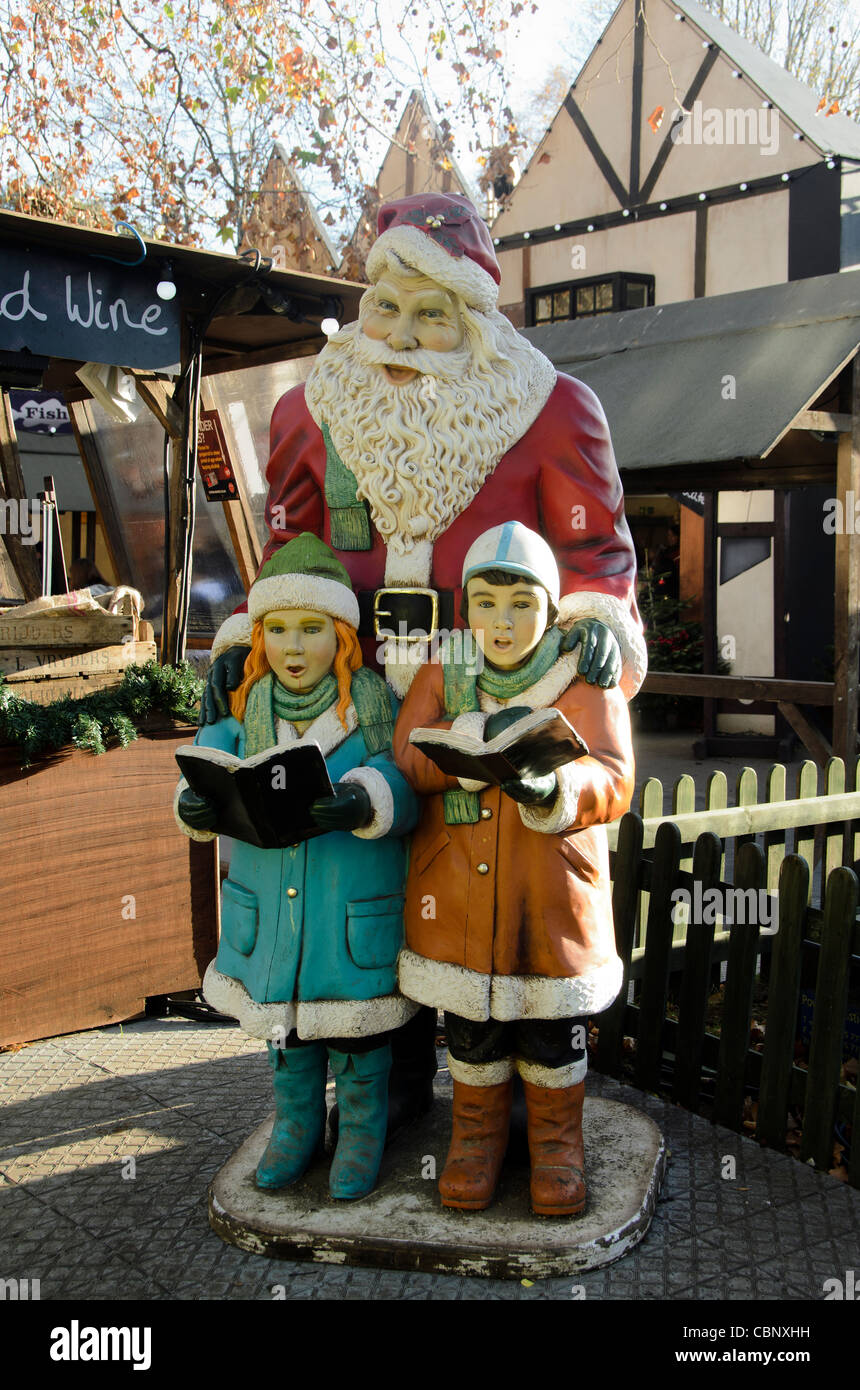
[[695, 501], [213, 458], [86, 309]]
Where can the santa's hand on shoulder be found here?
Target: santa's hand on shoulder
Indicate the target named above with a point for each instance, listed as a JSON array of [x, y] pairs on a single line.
[[225, 674], [600, 655]]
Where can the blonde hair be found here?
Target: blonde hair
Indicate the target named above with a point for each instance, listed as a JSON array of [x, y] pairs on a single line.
[[347, 659]]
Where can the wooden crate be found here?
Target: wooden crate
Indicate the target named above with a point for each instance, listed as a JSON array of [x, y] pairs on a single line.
[[103, 900], [47, 656]]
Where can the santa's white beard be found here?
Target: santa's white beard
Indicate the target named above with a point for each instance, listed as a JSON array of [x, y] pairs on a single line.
[[421, 450]]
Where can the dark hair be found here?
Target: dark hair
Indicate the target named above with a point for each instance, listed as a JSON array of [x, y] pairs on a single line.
[[503, 578]]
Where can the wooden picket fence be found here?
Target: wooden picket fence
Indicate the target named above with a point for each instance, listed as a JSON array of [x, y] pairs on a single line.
[[774, 846]]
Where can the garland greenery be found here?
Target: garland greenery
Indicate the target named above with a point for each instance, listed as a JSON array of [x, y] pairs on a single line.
[[102, 718]]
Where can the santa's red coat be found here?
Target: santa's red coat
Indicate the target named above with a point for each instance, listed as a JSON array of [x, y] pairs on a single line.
[[559, 479]]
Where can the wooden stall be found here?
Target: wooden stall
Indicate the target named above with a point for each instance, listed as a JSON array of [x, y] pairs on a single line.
[[103, 902]]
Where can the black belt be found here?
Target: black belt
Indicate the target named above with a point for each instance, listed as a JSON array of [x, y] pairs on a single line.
[[400, 611]]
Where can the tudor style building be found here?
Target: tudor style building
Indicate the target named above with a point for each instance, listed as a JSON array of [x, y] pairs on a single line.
[[684, 164], [628, 201]]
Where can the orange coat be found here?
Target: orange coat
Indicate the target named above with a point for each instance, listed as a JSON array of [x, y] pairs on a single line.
[[511, 917]]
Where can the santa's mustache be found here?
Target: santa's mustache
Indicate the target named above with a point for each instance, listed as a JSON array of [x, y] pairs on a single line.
[[447, 365]]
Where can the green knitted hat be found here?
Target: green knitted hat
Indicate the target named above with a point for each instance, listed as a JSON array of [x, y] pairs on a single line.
[[304, 573]]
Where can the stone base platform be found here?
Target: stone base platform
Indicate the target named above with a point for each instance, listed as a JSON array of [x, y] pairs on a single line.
[[402, 1224]]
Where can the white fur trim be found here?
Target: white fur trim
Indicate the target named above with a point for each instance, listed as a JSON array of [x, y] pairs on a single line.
[[634, 654], [417, 249], [410, 568], [471, 723], [317, 1018], [543, 693], [381, 801], [556, 816], [481, 1073], [326, 729], [398, 674], [189, 829], [506, 998], [554, 1078], [311, 591], [235, 631]]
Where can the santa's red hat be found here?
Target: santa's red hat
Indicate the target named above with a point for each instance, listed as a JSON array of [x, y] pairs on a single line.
[[441, 235]]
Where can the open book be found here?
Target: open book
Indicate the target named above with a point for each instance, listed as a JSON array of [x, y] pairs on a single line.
[[538, 743], [264, 800]]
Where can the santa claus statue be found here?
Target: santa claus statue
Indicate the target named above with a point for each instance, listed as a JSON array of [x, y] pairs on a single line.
[[421, 426]]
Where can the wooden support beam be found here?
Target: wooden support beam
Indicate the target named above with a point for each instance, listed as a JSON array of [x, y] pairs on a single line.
[[176, 549], [22, 557], [810, 737], [823, 421], [764, 688], [84, 426], [237, 511], [847, 596], [157, 395]]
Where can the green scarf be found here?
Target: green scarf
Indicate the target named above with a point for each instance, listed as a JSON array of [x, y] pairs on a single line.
[[461, 697], [268, 700]]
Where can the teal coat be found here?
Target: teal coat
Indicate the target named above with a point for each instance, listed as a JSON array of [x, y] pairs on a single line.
[[322, 959]]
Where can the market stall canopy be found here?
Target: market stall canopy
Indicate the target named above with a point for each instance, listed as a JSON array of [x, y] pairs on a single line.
[[713, 385], [73, 293]]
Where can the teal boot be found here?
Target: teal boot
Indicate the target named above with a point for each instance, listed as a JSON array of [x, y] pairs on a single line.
[[299, 1078], [361, 1086]]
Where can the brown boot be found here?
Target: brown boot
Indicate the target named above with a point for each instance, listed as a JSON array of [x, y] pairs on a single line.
[[556, 1149], [482, 1117]]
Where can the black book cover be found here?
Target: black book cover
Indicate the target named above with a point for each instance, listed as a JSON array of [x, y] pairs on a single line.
[[538, 743], [264, 800]]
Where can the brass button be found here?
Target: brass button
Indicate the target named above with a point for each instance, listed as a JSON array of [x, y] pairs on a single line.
[[292, 892], [483, 868], [486, 814]]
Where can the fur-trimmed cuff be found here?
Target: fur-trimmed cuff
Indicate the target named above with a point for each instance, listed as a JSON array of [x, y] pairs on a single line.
[[188, 829], [475, 996], [312, 1018], [381, 801], [634, 654], [235, 631], [553, 1078], [471, 724], [556, 816], [481, 1073]]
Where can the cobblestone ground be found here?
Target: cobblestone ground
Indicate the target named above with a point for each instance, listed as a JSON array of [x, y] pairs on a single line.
[[178, 1097]]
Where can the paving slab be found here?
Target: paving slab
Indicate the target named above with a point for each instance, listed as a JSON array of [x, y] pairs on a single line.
[[179, 1096]]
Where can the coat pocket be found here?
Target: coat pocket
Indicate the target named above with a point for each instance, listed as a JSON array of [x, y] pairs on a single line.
[[374, 931], [239, 916], [426, 857]]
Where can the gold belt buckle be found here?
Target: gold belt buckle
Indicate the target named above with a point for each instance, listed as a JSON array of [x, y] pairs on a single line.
[[386, 613]]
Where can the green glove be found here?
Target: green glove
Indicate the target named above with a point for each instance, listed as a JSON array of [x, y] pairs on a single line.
[[348, 809], [197, 811], [502, 719], [225, 674], [600, 658], [531, 791]]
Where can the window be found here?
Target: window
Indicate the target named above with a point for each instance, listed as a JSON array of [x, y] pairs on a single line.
[[588, 298]]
